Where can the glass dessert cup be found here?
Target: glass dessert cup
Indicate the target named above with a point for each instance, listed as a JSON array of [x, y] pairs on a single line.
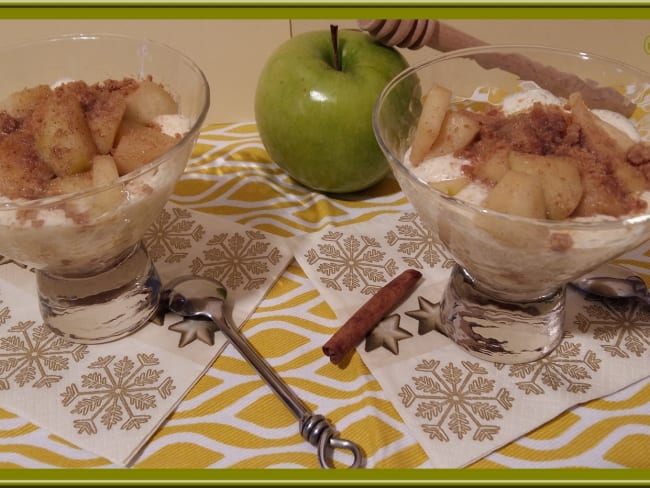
[[95, 281], [505, 299]]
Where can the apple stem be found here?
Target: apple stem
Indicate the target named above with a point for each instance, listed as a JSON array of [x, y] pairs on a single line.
[[334, 29]]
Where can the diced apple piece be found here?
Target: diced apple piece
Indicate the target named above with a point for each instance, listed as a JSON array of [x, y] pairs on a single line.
[[434, 109], [21, 103], [61, 134], [559, 177], [104, 119], [22, 173], [491, 169], [149, 101], [104, 172], [450, 186], [457, 131], [139, 145], [63, 185], [517, 193], [630, 177]]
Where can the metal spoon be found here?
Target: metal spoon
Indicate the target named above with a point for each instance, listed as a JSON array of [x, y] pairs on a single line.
[[613, 281], [196, 297]]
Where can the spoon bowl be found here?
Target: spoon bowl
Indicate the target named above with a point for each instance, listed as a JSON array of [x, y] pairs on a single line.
[[613, 281]]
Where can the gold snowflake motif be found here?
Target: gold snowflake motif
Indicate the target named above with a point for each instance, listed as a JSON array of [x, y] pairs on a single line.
[[238, 260], [5, 314], [171, 235], [622, 325], [456, 400], [117, 393], [351, 262], [564, 366], [33, 355], [417, 244]]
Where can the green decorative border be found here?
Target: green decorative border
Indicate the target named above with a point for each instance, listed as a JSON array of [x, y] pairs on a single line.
[[343, 9], [287, 478], [259, 9]]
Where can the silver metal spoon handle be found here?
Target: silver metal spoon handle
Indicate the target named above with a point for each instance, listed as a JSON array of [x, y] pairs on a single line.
[[315, 429]]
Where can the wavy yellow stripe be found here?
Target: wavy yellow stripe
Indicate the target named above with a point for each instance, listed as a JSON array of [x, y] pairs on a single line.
[[413, 455], [281, 287], [274, 343], [52, 458], [580, 444], [205, 383], [193, 188], [284, 286], [6, 414], [301, 322], [180, 455], [487, 464], [355, 219], [635, 262], [18, 431], [631, 452], [372, 433], [323, 310], [218, 402], [295, 269], [641, 397], [298, 458], [237, 151], [239, 128], [384, 406], [555, 428], [347, 373], [331, 392], [231, 435], [267, 403]]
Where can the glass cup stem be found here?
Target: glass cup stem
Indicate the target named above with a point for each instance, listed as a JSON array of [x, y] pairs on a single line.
[[101, 307], [499, 330]]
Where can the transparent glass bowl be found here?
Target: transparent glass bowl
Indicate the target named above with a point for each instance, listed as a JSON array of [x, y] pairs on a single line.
[[504, 301], [95, 280]]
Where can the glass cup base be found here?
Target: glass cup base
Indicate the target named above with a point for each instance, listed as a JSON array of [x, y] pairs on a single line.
[[498, 330], [102, 307]]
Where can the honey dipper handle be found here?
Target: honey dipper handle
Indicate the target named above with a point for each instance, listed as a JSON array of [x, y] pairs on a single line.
[[446, 38]]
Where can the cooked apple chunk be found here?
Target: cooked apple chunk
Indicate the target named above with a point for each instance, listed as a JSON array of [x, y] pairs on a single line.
[[559, 177], [104, 118], [21, 103], [517, 193], [139, 145], [61, 134], [451, 186], [148, 102], [62, 185], [22, 173], [434, 110], [457, 131]]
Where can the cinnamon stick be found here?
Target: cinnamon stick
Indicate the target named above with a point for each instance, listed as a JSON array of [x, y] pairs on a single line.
[[353, 331]]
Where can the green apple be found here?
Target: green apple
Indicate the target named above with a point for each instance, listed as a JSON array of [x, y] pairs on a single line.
[[314, 119]]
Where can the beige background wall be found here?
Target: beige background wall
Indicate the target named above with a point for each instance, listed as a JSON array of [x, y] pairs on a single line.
[[232, 52]]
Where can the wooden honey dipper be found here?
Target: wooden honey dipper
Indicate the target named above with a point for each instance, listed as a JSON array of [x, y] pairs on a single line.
[[415, 34]]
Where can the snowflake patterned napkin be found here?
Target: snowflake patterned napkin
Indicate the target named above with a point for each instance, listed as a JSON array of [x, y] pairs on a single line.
[[458, 407], [110, 398]]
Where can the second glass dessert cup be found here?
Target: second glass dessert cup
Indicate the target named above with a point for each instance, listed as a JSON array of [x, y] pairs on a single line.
[[505, 299], [95, 280]]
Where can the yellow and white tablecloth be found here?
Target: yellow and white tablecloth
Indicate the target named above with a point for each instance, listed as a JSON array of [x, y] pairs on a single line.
[[230, 419]]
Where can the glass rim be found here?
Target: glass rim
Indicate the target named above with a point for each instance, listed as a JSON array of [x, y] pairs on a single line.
[[551, 225], [24, 204]]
